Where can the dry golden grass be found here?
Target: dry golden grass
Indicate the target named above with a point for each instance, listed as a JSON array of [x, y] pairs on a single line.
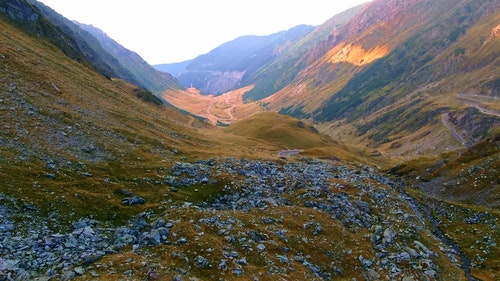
[[226, 108]]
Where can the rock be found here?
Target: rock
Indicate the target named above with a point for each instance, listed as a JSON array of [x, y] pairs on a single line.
[[423, 248], [201, 261], [153, 238], [89, 148], [318, 229], [29, 207], [153, 274], [256, 236], [22, 275], [223, 264], [178, 277], [365, 262], [268, 220], [79, 270], [404, 256], [372, 274], [242, 261], [315, 269], [388, 236], [136, 200], [431, 273], [283, 259], [87, 231], [238, 271]]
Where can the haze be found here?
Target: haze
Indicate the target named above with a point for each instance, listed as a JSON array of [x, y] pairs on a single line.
[[174, 31]]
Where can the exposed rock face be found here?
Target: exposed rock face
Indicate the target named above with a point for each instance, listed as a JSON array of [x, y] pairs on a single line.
[[19, 11]]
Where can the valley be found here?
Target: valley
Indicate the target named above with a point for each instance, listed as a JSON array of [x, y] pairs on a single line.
[[366, 148], [223, 109]]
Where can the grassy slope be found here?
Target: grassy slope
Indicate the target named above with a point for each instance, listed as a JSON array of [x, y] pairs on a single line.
[[282, 132], [73, 139], [66, 129], [401, 97]]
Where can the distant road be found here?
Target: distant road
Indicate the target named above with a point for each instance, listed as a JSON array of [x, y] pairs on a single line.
[[288, 153], [476, 100], [446, 122]]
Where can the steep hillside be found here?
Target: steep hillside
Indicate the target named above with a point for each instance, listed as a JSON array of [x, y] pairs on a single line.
[[280, 72], [81, 45], [467, 176], [144, 74], [228, 66], [406, 79], [65, 126]]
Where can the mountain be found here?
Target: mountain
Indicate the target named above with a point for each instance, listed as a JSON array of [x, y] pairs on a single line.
[[280, 72], [81, 45], [228, 66], [405, 78], [144, 74], [395, 73], [173, 68]]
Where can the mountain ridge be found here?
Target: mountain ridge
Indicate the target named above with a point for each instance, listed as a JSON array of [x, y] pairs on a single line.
[[37, 18], [146, 75], [228, 66]]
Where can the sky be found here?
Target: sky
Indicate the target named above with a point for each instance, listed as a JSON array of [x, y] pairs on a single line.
[[168, 31]]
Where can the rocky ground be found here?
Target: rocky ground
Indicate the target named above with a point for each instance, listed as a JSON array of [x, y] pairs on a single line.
[[309, 219]]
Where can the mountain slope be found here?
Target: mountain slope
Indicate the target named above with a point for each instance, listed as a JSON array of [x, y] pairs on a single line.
[[65, 125], [394, 71], [228, 66], [280, 72], [144, 74], [41, 20], [173, 68]]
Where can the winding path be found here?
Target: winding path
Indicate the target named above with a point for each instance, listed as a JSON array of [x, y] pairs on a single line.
[[445, 118]]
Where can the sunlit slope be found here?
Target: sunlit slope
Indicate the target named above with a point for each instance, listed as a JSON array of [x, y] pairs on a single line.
[[281, 132], [394, 72], [223, 109]]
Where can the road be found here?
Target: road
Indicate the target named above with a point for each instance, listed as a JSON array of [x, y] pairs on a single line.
[[446, 121], [475, 101]]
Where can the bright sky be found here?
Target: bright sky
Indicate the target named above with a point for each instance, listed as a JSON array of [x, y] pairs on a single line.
[[162, 31]]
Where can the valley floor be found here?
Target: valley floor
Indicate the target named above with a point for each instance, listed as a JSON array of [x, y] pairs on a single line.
[[236, 219]]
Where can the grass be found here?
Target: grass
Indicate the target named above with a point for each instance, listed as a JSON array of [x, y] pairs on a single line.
[[280, 130]]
